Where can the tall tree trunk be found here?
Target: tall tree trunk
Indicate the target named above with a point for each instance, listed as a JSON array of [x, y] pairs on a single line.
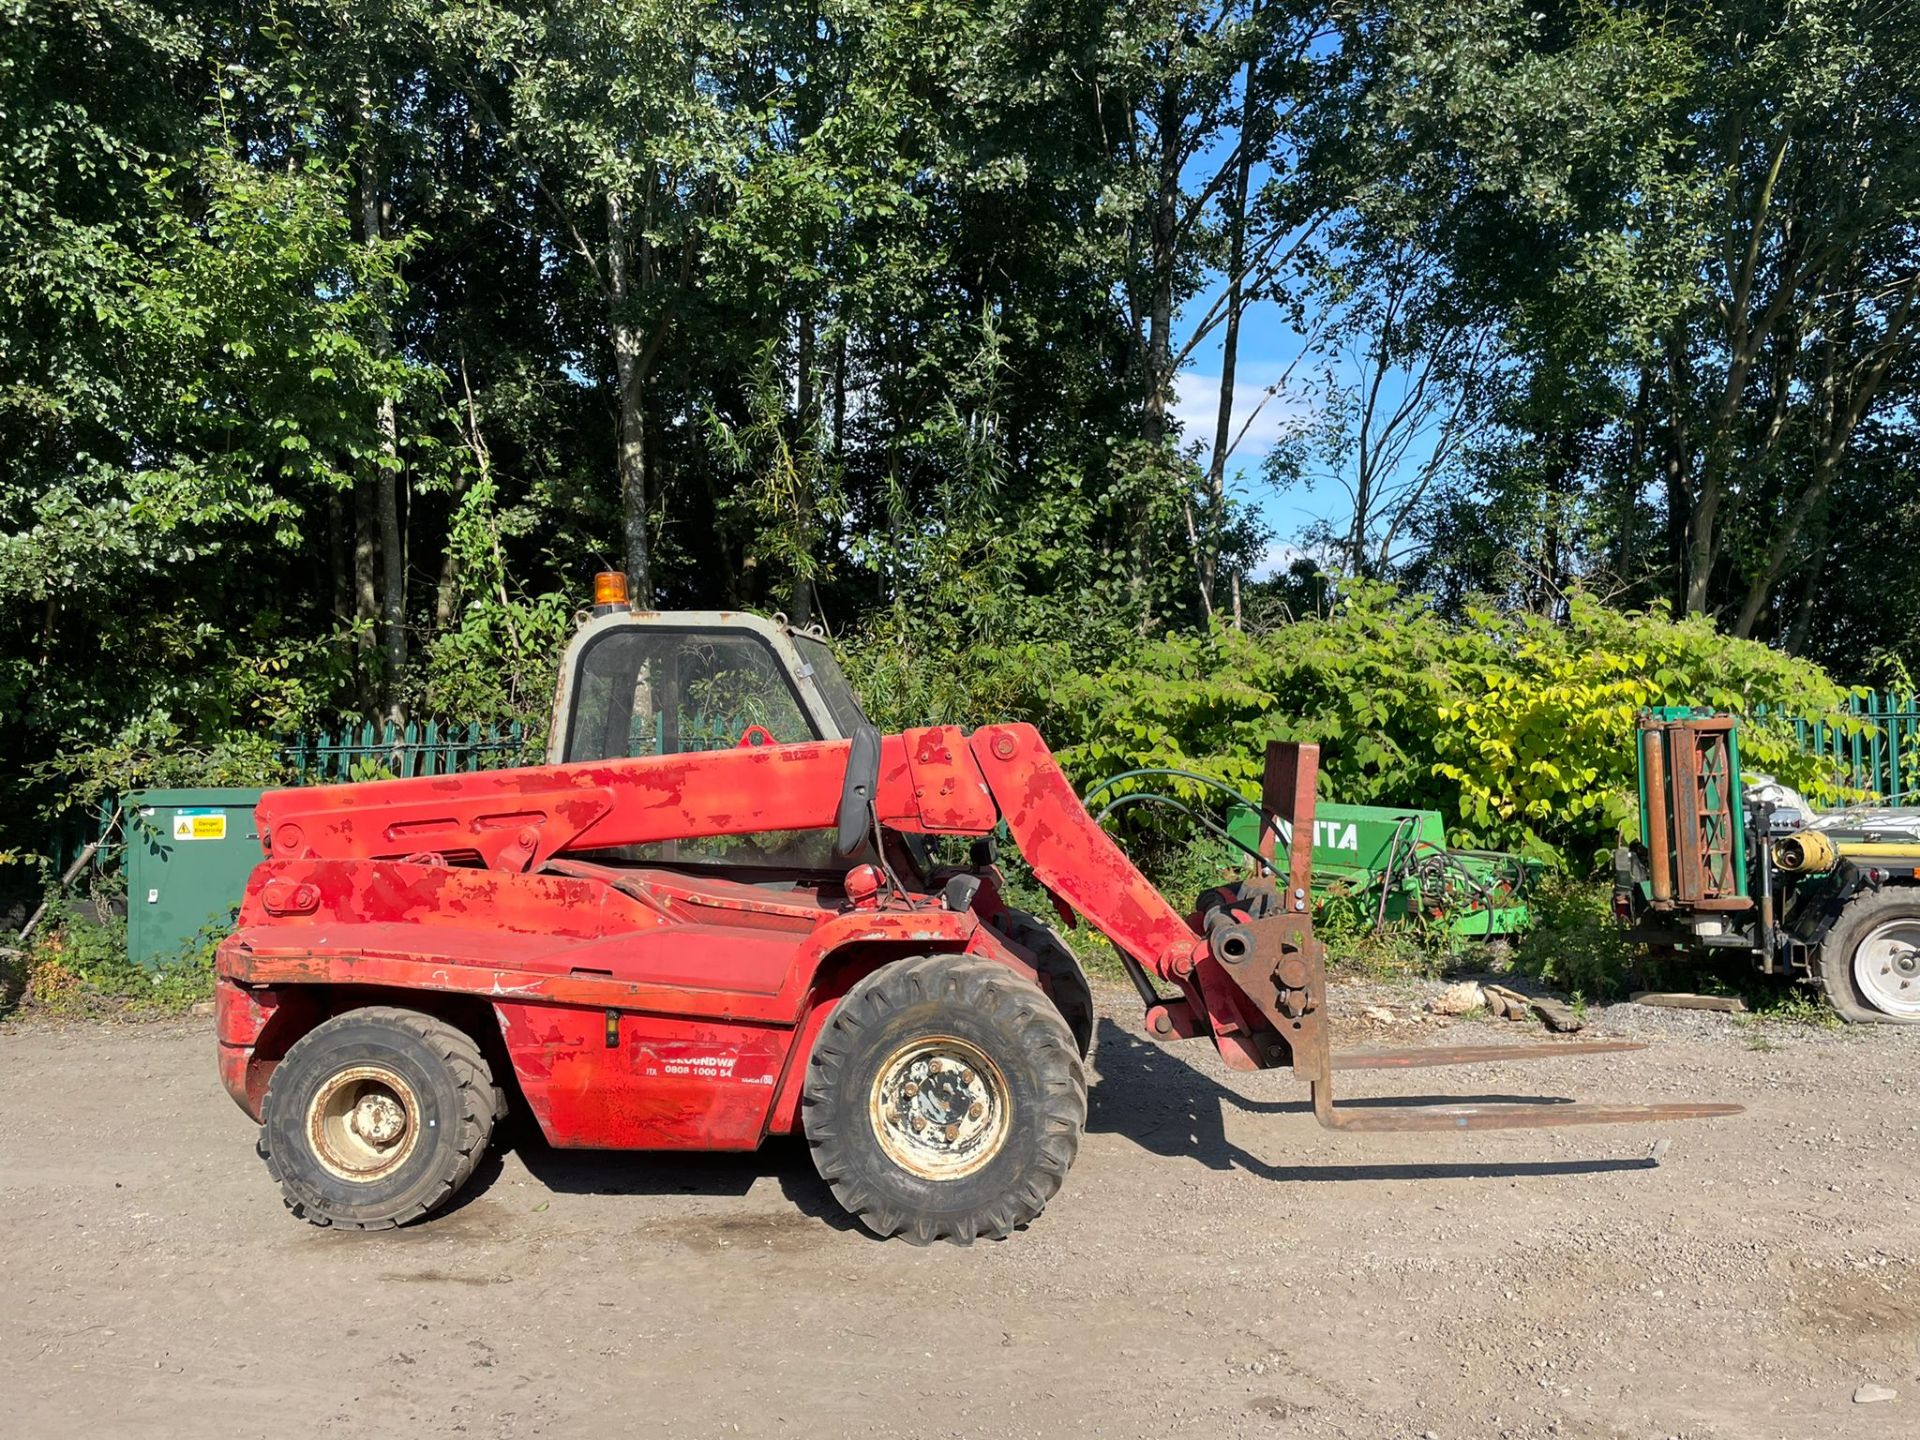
[[391, 476], [1802, 627], [1702, 549], [1675, 468], [366, 590], [630, 374], [1161, 262], [1229, 353], [339, 559], [446, 588], [804, 600]]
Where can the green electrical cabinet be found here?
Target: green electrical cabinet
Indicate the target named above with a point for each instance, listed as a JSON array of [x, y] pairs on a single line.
[[188, 856]]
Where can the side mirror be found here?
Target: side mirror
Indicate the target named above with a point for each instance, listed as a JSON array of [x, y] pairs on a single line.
[[855, 820]]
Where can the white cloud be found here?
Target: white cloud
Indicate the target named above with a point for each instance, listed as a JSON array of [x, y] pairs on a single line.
[[1197, 406]]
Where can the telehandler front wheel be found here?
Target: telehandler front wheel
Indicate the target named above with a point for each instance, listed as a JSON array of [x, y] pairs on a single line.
[[944, 1100], [1066, 981], [377, 1117]]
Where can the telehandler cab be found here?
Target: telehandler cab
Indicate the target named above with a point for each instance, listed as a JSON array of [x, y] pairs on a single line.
[[716, 915]]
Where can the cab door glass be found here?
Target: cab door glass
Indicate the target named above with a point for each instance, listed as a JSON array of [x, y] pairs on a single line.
[[651, 690], [655, 691]]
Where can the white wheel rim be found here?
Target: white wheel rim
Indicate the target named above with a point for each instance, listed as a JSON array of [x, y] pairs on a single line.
[[1886, 968], [363, 1122], [940, 1108]]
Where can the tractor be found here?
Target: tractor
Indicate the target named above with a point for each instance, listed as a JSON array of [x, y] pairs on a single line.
[[728, 908], [1728, 868]]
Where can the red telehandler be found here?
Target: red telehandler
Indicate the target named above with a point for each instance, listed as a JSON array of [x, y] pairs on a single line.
[[719, 913]]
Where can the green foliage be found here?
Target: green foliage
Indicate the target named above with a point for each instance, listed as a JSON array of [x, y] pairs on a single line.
[[1574, 943], [1518, 729], [155, 752], [1389, 952], [76, 964], [497, 661]]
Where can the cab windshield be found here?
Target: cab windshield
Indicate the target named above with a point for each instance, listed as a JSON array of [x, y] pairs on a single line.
[[832, 681]]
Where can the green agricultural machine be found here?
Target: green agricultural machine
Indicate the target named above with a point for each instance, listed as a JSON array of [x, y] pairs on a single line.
[[1724, 866], [1373, 864], [1384, 866]]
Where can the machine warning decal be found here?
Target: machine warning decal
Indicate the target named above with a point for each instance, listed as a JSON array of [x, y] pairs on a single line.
[[707, 1060], [199, 824]]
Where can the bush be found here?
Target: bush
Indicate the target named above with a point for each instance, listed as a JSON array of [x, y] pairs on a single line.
[[77, 964], [1518, 729], [1574, 943]]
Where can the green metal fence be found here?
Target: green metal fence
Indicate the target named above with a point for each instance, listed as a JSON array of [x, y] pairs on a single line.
[[1881, 757], [372, 752], [358, 752]]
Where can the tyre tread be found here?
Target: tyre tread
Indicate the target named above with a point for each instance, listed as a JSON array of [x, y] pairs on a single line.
[[1016, 1005], [482, 1102]]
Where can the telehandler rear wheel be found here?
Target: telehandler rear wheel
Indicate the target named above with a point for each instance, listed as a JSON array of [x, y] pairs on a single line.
[[377, 1117], [944, 1100]]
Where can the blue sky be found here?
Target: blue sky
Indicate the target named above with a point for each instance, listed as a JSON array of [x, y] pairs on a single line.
[[1267, 347]]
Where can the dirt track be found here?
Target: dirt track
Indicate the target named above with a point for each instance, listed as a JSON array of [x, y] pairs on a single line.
[[1216, 1266]]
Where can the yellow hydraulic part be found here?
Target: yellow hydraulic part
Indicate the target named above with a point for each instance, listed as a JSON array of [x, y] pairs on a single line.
[[1806, 850], [1813, 851]]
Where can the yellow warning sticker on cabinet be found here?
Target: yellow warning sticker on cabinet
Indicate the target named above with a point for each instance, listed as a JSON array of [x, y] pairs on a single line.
[[199, 824]]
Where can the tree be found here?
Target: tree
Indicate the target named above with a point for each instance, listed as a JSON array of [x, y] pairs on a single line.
[[610, 113]]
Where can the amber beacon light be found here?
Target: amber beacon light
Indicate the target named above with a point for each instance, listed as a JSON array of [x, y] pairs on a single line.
[[609, 589]]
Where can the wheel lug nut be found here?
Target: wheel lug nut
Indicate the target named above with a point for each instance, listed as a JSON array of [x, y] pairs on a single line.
[[976, 1110], [966, 1077], [912, 1089], [953, 1132], [919, 1122]]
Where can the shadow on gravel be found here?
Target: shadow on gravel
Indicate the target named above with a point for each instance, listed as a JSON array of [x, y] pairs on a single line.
[[783, 1159], [1149, 1095]]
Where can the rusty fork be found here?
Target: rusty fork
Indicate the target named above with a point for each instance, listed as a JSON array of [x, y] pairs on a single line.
[[1273, 957]]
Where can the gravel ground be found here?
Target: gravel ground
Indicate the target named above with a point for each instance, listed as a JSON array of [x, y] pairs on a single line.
[[1216, 1265]]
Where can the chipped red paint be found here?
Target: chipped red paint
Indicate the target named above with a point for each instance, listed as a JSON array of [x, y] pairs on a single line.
[[668, 1084], [518, 819], [949, 792]]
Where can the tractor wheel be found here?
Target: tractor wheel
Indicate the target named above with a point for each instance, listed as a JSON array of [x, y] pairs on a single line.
[[1870, 961], [944, 1100], [1066, 982], [377, 1117]]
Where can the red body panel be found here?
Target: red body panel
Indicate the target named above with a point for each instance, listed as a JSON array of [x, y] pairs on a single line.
[[664, 1082], [641, 1008]]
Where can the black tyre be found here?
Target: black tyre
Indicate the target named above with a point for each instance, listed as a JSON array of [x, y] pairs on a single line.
[[1066, 982], [377, 1117], [1869, 964], [944, 1100]]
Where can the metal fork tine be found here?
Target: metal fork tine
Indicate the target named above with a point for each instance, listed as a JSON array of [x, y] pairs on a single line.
[[1514, 1117], [1474, 1054]]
